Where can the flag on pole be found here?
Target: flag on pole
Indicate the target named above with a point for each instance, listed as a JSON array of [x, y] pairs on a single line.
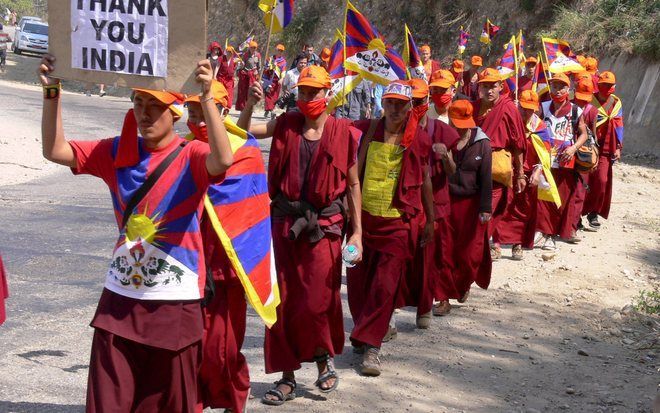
[[539, 80], [559, 56], [542, 140], [489, 32], [244, 46], [366, 50], [509, 62], [463, 41], [343, 81], [282, 10], [414, 65], [239, 211], [521, 43]]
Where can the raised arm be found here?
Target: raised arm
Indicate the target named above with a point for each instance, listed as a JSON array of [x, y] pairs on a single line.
[[260, 130], [220, 158], [55, 147]]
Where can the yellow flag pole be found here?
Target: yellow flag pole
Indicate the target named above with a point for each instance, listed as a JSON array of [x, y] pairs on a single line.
[[270, 32]]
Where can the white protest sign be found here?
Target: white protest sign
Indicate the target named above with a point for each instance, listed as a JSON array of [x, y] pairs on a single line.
[[152, 44], [123, 36]]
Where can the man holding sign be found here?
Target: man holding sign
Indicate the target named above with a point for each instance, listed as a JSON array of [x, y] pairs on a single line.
[[146, 349]]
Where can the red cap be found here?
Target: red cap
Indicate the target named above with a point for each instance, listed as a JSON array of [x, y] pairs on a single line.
[[420, 89], [314, 76]]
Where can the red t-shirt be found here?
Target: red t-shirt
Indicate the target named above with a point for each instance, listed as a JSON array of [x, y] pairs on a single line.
[[157, 275]]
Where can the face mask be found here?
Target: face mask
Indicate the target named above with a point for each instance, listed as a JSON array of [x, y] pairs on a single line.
[[441, 100], [559, 98], [422, 109], [199, 130], [313, 108], [605, 89]]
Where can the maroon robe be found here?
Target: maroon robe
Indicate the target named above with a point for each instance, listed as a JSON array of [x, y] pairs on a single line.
[[225, 76], [519, 220], [377, 285], [468, 236], [273, 93], [504, 127], [224, 378], [309, 274], [599, 197], [4, 291], [470, 89], [524, 83], [436, 257]]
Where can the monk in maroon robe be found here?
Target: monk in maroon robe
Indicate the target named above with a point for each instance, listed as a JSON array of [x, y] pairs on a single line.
[[434, 258], [223, 68], [470, 190], [609, 134], [248, 71], [4, 291], [312, 172], [224, 378], [500, 120], [470, 77], [519, 220], [397, 197]]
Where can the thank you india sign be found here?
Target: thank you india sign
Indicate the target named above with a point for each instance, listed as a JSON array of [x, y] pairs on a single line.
[[136, 43]]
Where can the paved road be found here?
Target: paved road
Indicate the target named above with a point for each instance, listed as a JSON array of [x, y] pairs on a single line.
[[56, 238]]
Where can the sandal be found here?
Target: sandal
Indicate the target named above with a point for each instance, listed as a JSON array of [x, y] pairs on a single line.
[[281, 397], [330, 373]]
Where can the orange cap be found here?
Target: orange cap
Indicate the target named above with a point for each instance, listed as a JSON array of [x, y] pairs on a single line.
[[220, 95], [529, 99], [253, 44], [398, 89], [173, 100], [325, 54], [560, 77], [460, 114], [531, 59], [314, 76], [230, 48], [425, 48], [577, 76], [607, 77], [280, 47], [476, 61], [581, 59], [489, 75], [420, 89], [591, 65], [584, 90], [442, 78], [457, 65]]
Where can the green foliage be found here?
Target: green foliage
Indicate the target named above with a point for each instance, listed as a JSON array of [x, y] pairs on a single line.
[[648, 301], [612, 26], [21, 7]]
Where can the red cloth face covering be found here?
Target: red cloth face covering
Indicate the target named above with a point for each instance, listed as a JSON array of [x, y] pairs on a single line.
[[199, 130], [441, 100], [313, 108], [559, 98]]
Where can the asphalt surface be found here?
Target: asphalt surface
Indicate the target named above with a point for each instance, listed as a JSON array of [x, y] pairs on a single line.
[[56, 239]]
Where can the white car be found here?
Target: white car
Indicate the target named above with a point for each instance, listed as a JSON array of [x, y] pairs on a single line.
[[33, 37]]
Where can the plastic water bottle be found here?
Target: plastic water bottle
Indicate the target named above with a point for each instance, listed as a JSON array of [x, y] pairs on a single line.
[[349, 254], [543, 183]]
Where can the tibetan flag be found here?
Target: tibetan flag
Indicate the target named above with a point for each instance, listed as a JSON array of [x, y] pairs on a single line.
[[367, 53], [539, 79], [244, 46], [280, 12], [559, 56], [489, 32], [343, 81], [520, 44], [239, 210], [542, 140], [509, 62], [611, 117], [414, 65], [463, 41]]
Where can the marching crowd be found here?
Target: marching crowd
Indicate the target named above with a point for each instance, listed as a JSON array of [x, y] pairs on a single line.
[[424, 179]]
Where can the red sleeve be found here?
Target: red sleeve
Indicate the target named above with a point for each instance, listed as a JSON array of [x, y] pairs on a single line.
[[354, 137], [197, 154], [516, 130], [449, 136], [93, 158]]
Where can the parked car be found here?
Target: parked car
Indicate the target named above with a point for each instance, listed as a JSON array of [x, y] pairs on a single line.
[[33, 37], [25, 19]]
